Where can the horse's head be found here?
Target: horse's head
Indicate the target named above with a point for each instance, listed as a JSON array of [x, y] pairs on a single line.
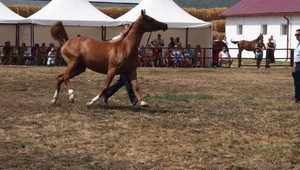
[[260, 37], [150, 24]]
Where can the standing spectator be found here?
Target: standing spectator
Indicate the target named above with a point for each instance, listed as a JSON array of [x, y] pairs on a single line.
[[34, 54], [225, 58], [156, 56], [43, 54], [176, 54], [178, 43], [296, 73], [197, 56], [225, 40], [159, 42], [259, 47], [270, 53], [51, 57]]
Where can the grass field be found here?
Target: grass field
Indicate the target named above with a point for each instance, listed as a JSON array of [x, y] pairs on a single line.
[[198, 118]]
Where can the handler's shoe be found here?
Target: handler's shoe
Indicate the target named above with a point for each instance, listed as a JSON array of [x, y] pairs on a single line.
[[104, 99], [134, 102], [143, 103]]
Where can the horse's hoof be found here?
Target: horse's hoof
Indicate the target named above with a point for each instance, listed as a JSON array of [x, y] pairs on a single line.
[[71, 98], [143, 104], [88, 105], [53, 102]]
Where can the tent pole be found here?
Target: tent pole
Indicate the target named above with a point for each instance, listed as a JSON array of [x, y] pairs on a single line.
[[186, 36], [17, 34], [149, 38], [32, 34]]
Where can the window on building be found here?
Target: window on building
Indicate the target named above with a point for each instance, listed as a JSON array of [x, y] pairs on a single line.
[[239, 30], [264, 29], [283, 29]]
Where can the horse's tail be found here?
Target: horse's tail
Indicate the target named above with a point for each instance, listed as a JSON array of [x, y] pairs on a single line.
[[234, 42], [59, 33]]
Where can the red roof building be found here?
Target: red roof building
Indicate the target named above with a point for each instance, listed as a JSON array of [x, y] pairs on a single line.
[[278, 18], [264, 7]]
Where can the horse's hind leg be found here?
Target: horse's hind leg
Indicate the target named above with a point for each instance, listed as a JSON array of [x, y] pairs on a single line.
[[70, 73]]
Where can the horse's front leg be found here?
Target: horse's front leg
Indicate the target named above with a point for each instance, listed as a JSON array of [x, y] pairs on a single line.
[[110, 76], [135, 87]]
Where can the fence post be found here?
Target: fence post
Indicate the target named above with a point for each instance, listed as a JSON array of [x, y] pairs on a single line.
[[292, 58]]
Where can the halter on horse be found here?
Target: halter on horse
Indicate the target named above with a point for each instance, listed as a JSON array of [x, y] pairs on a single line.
[[106, 57], [246, 45]]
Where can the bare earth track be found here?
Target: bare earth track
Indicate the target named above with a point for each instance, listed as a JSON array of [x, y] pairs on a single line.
[[198, 118]]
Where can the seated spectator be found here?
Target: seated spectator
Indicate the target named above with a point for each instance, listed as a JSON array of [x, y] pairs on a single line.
[[51, 57], [7, 53], [16, 55], [25, 58], [188, 54], [149, 53], [197, 56], [176, 54], [142, 58], [156, 56], [225, 58]]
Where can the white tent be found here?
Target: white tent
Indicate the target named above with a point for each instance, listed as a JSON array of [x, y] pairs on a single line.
[[74, 14], [189, 29], [71, 12], [8, 16], [10, 25], [165, 11]]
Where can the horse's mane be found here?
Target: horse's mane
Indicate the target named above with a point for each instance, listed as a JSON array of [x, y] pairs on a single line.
[[59, 33]]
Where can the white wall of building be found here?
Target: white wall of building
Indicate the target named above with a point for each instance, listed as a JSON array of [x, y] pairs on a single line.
[[252, 27]]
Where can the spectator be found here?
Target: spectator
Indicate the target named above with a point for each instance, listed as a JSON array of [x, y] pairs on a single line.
[[16, 55], [149, 53], [156, 56], [225, 40], [51, 57], [43, 54], [270, 53], [25, 58], [188, 55], [7, 53], [176, 54], [178, 43], [197, 56], [259, 47], [159, 42], [35, 53], [296, 73], [225, 58]]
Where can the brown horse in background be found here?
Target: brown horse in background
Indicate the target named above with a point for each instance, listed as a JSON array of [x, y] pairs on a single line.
[[107, 57], [247, 45]]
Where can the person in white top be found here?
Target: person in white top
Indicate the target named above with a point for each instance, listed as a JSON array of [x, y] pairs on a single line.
[[125, 28], [51, 57], [224, 57]]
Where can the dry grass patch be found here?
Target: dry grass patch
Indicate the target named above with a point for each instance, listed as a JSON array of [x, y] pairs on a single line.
[[198, 118]]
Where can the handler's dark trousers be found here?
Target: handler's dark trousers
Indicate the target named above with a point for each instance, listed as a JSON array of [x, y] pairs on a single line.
[[297, 83]]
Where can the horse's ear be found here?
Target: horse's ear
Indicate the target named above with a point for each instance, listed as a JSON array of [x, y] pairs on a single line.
[[143, 12]]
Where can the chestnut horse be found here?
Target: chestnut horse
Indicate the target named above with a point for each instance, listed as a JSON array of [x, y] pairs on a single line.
[[107, 57], [247, 45]]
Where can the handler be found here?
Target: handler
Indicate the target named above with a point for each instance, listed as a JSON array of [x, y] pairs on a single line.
[[296, 73]]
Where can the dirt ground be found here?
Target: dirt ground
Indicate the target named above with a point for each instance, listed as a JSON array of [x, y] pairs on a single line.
[[198, 118]]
